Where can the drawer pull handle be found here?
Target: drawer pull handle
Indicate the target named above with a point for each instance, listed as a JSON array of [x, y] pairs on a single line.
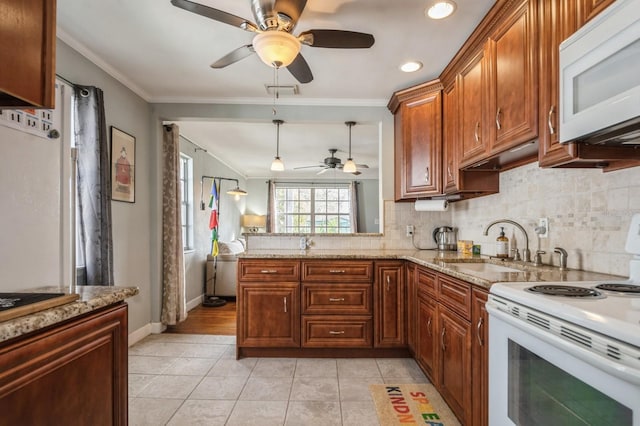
[[285, 304], [337, 271], [336, 299], [388, 283], [478, 332], [269, 271], [335, 333], [475, 131], [444, 348], [427, 174], [429, 326], [549, 123], [449, 171], [498, 126]]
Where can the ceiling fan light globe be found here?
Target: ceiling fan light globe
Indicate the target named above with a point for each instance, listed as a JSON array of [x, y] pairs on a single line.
[[349, 166], [276, 48], [277, 165]]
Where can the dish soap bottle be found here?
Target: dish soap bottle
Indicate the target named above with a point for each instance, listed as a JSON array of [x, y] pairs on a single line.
[[502, 245]]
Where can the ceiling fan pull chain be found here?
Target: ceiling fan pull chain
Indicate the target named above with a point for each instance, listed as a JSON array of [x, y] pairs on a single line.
[[275, 90]]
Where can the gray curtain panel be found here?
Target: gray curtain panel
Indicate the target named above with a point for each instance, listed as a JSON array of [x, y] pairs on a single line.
[[95, 243], [174, 304]]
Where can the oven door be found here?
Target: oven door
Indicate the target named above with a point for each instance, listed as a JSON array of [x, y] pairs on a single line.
[[533, 381]]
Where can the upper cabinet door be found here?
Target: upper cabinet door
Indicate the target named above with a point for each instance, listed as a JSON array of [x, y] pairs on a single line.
[[590, 9], [418, 147], [27, 49], [471, 97], [512, 115]]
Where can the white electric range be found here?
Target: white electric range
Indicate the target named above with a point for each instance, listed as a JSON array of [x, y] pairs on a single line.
[[566, 352]]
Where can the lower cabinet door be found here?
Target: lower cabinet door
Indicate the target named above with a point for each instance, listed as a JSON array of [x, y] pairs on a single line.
[[426, 341], [455, 372], [325, 331], [269, 315]]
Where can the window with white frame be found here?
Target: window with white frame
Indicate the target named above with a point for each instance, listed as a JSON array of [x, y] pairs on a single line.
[[318, 208], [186, 200]]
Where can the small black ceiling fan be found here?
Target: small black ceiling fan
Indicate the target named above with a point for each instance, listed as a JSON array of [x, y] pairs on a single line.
[[273, 42], [332, 162]]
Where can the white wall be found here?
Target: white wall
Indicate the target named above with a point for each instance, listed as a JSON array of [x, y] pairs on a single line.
[[35, 213], [230, 210], [131, 221]]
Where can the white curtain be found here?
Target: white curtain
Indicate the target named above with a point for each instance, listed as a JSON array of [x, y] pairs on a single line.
[[94, 247], [354, 207], [174, 304]]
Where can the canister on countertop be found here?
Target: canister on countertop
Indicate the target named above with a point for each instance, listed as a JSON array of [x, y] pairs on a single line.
[[502, 244], [465, 246]]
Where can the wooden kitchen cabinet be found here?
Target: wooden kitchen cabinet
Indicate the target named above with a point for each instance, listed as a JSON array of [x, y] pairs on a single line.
[[512, 82], [72, 373], [454, 333], [389, 305], [418, 141], [426, 352], [412, 307], [480, 358], [27, 49], [472, 106], [268, 314], [589, 9]]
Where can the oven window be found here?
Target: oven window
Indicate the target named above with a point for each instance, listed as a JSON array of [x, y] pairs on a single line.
[[542, 394]]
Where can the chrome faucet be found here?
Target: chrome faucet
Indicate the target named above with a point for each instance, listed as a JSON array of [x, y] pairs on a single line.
[[563, 257], [526, 254]]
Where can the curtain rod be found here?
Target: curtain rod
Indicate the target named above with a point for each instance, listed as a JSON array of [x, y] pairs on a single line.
[[66, 81], [313, 183]]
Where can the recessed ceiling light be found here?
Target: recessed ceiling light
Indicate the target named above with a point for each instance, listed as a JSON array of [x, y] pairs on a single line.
[[411, 66], [440, 9]]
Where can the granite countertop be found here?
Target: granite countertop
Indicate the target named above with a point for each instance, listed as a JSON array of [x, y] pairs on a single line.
[[91, 298], [446, 262]]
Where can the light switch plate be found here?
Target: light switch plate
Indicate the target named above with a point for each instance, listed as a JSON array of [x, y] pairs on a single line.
[[543, 222]]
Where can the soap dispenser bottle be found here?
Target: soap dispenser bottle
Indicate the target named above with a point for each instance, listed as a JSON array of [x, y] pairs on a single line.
[[502, 245]]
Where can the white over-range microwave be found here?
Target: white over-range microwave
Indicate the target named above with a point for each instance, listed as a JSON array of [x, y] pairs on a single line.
[[600, 79]]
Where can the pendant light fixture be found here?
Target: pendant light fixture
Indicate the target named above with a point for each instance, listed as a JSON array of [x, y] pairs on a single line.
[[350, 166], [277, 165]]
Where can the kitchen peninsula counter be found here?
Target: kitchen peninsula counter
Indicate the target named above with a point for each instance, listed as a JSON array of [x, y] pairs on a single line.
[[442, 261], [91, 298]]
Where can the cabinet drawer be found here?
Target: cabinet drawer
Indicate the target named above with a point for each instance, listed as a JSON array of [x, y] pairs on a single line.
[[456, 295], [426, 282], [337, 299], [337, 271], [337, 331], [269, 270]]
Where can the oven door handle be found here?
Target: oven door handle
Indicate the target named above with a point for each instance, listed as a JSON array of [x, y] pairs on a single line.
[[628, 373]]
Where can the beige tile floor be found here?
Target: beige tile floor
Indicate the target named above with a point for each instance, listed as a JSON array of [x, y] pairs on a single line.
[[191, 379]]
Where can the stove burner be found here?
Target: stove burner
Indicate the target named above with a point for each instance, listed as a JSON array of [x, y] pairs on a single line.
[[633, 289], [566, 291]]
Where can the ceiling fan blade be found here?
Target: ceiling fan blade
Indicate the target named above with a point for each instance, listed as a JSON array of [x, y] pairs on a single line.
[[337, 39], [300, 70], [308, 167], [215, 14], [362, 166], [323, 171], [234, 56], [356, 173], [292, 8]]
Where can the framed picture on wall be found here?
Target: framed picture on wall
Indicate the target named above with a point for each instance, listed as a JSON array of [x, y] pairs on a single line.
[[123, 166]]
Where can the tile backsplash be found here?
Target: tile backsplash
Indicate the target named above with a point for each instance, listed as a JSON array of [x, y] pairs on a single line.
[[589, 214]]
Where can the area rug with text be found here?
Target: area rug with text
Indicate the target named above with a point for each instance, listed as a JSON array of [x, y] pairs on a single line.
[[406, 404]]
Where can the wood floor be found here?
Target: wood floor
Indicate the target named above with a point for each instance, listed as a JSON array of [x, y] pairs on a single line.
[[207, 320]]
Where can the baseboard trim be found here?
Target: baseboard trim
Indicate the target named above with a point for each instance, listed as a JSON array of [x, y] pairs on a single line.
[[151, 328], [194, 303]]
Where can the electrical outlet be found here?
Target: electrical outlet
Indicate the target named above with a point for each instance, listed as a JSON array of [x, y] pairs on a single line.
[[543, 222], [409, 230]]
